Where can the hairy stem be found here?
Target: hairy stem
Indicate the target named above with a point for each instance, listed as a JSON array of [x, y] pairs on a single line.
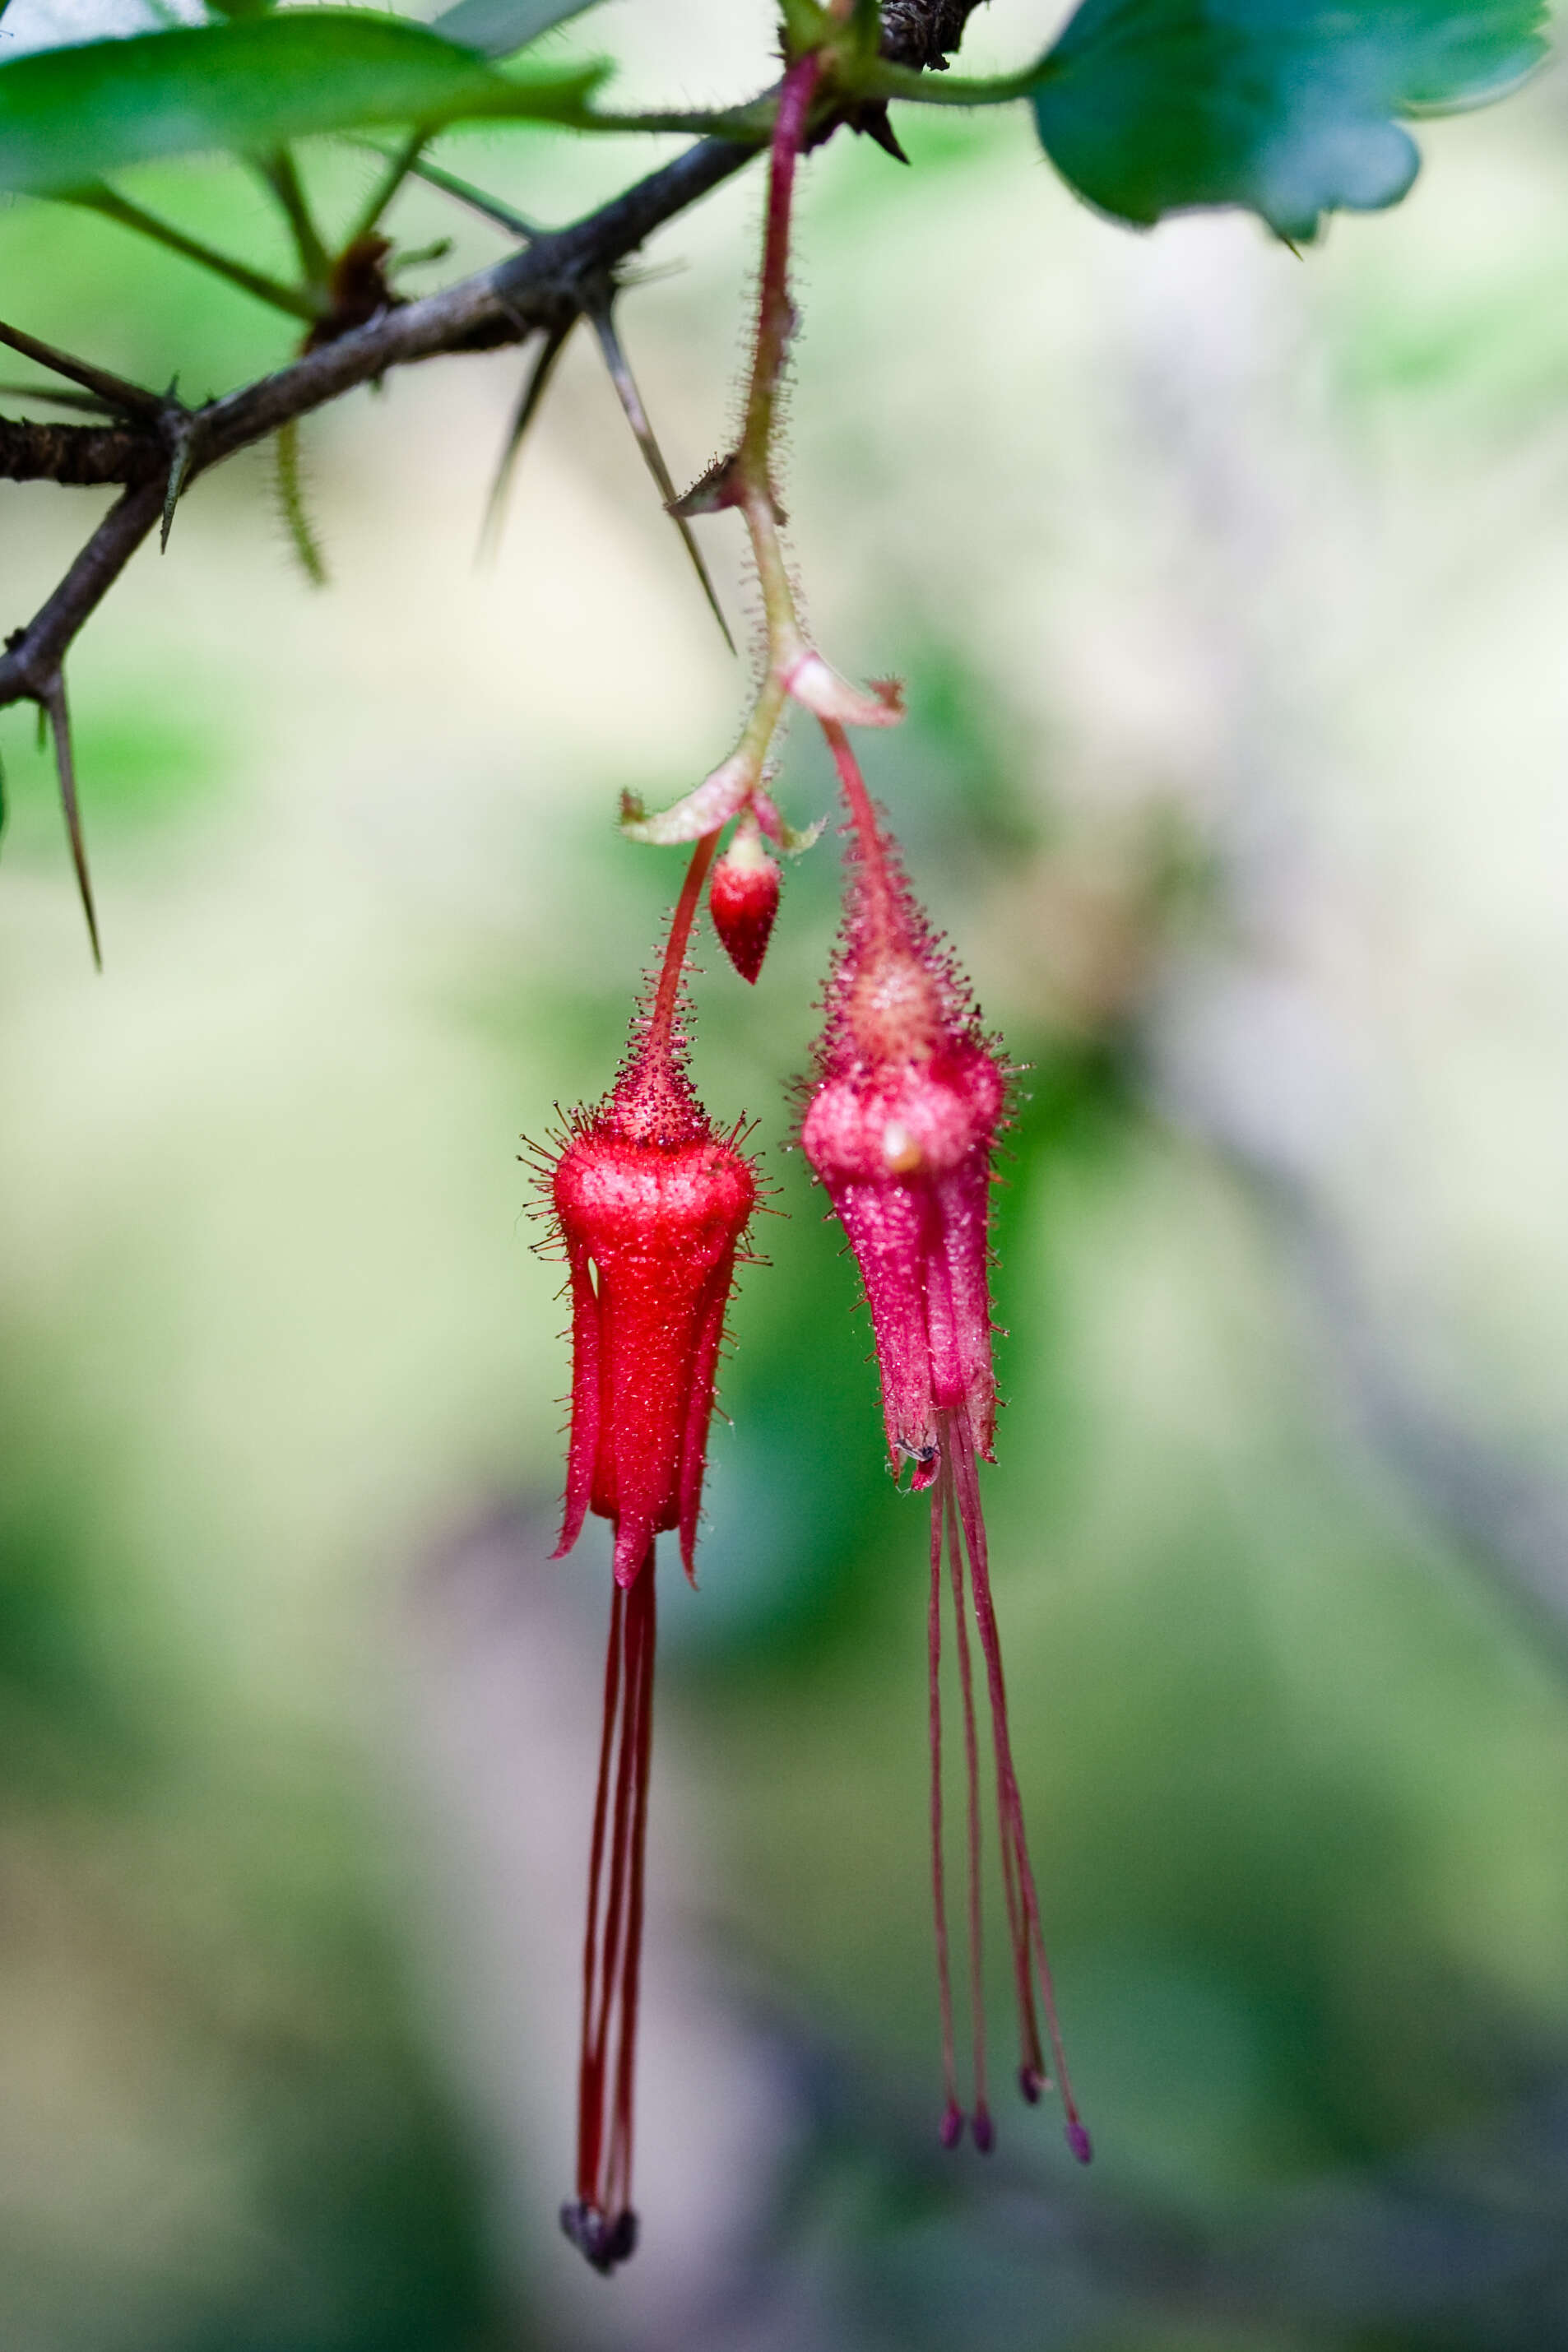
[[398, 168], [280, 173], [775, 312], [661, 1020], [497, 306]]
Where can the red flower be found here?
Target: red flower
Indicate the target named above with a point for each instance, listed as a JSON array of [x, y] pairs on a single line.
[[653, 1201], [650, 1204], [901, 1128]]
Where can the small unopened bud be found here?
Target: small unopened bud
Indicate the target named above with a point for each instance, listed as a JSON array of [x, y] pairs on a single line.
[[744, 898]]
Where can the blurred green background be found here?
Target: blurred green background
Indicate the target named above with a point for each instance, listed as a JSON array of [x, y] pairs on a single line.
[[1231, 593]]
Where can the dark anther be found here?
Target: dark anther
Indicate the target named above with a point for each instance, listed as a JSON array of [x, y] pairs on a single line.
[[601, 2242], [1031, 2082]]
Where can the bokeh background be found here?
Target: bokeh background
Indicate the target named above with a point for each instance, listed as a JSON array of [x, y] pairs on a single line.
[[1232, 591]]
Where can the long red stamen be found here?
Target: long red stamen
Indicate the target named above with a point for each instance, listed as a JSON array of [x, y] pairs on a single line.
[[589, 2102], [620, 2167], [601, 2221], [952, 2113], [1009, 1802], [944, 1503]]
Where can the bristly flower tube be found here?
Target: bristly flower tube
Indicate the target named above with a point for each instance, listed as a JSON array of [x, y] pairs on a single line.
[[901, 1128], [650, 1204]]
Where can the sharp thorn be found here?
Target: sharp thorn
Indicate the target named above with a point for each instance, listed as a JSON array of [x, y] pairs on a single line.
[[528, 407], [54, 709], [627, 391], [874, 120], [179, 467]]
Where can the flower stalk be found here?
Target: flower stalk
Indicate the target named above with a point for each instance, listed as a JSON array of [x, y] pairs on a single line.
[[793, 670]]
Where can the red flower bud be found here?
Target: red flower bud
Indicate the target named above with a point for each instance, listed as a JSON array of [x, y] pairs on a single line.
[[900, 1129], [744, 898]]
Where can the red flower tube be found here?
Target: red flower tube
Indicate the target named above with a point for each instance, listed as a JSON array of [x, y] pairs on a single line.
[[650, 1204], [901, 1128]]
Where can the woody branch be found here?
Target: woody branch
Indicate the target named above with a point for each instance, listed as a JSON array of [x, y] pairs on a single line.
[[553, 279]]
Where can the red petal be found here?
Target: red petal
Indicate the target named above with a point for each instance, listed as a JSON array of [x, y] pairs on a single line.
[[700, 1408], [585, 1441]]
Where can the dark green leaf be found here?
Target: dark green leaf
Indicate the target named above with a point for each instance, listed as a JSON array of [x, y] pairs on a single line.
[[498, 28], [68, 116], [1289, 107]]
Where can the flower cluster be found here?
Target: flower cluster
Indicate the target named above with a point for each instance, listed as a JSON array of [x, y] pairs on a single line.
[[650, 1204]]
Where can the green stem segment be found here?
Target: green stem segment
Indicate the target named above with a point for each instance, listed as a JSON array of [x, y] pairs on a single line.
[[397, 170], [113, 207], [280, 173]]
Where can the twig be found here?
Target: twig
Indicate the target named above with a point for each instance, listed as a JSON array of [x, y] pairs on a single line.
[[495, 307], [83, 456], [116, 392], [554, 277]]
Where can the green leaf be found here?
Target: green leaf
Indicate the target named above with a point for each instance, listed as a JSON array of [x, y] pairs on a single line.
[[69, 116], [498, 28], [1287, 107]]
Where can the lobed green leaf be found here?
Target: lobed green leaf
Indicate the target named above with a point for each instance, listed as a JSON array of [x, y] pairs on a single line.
[[70, 116], [1290, 108]]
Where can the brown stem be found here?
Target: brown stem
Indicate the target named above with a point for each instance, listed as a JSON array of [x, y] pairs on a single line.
[[497, 306]]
